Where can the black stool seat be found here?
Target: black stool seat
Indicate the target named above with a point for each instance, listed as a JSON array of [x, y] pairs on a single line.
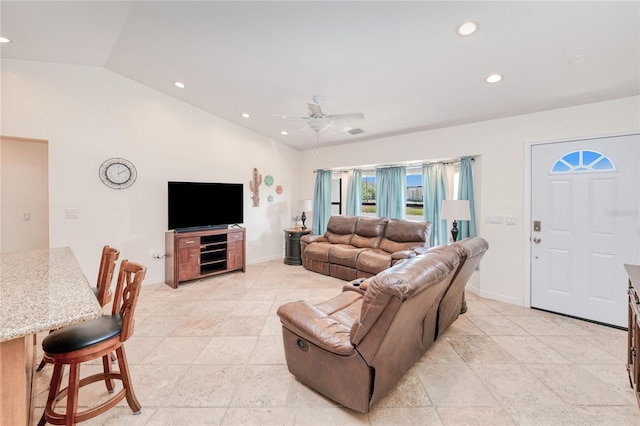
[[83, 335]]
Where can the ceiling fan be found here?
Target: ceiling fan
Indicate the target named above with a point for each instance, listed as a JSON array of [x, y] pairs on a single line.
[[319, 121]]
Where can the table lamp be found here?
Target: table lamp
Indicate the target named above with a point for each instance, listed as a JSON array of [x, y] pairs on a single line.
[[305, 206], [455, 210]]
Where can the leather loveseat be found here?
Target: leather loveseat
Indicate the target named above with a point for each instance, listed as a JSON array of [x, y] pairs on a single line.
[[360, 246], [355, 347]]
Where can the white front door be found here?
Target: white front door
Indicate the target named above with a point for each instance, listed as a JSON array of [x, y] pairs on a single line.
[[585, 208]]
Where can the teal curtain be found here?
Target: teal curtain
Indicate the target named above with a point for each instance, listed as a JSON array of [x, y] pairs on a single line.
[[467, 228], [391, 183], [433, 193], [321, 202], [354, 193]]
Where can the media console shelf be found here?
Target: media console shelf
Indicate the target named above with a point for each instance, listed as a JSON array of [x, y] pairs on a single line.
[[198, 254]]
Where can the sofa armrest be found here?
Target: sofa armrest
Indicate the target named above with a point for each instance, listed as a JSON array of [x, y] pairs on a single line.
[[403, 254], [313, 238], [315, 326]]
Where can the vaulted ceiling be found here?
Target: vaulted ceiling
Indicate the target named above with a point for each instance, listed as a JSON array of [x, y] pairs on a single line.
[[401, 64]]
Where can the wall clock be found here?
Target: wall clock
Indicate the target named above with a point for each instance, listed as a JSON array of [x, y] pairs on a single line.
[[117, 173]]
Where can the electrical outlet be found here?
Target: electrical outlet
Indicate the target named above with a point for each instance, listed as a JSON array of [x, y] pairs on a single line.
[[26, 216]]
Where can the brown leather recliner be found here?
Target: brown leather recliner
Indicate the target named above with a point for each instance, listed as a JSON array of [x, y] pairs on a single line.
[[472, 249], [355, 347]]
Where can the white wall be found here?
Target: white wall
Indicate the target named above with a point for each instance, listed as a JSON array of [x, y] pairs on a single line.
[[502, 173], [24, 190], [90, 114]]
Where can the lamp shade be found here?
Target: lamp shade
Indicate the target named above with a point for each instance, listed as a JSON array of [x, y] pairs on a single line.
[[455, 210], [305, 205]]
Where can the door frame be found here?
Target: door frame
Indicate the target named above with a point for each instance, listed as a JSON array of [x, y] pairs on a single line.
[[528, 193]]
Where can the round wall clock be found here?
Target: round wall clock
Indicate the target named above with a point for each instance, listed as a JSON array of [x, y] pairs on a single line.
[[118, 173]]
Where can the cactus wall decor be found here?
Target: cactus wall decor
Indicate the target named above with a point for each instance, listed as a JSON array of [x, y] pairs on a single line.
[[254, 185]]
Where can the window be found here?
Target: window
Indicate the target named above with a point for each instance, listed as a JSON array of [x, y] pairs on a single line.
[[414, 209], [368, 194], [336, 196], [414, 191], [582, 161]]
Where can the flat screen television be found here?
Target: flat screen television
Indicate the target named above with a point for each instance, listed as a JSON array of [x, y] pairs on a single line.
[[202, 205]]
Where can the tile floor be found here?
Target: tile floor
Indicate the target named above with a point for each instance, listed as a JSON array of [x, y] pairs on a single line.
[[210, 352]]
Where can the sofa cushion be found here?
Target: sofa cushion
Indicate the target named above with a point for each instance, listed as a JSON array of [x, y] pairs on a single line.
[[318, 251], [403, 234], [373, 261], [345, 255], [369, 232], [340, 229]]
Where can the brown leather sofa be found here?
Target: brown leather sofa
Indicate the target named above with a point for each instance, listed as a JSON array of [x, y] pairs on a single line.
[[360, 246], [355, 347]]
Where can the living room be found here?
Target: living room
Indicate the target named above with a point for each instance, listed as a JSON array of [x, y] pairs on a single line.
[[88, 113]]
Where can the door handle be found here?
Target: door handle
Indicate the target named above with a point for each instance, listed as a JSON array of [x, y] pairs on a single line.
[[537, 240]]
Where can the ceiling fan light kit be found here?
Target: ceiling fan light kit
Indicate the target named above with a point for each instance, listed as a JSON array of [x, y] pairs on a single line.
[[319, 124]]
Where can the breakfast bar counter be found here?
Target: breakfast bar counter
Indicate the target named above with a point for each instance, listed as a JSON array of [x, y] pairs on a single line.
[[40, 290]]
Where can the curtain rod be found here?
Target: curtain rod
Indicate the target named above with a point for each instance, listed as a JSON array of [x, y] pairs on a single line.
[[411, 164]]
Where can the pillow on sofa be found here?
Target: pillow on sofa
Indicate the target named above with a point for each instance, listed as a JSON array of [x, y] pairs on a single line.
[[404, 234], [340, 229], [369, 232]]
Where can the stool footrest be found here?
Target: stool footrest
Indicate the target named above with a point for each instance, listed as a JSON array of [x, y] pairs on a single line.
[[56, 418]]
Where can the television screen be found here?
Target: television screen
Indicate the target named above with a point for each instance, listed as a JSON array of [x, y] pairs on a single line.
[[204, 204]]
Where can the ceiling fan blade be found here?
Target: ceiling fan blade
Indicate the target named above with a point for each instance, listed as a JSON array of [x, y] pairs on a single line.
[[315, 110], [349, 116], [288, 117]]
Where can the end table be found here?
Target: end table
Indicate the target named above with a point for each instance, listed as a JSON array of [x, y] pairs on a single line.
[[292, 245]]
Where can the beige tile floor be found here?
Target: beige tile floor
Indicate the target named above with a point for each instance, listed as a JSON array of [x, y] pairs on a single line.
[[210, 352]]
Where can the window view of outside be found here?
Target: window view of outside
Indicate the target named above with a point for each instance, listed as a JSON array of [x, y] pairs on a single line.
[[368, 195], [414, 208], [414, 196]]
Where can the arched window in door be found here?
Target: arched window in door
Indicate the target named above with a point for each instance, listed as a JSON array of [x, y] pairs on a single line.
[[583, 161]]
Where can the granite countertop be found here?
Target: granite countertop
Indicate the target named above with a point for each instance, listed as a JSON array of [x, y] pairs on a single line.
[[42, 290], [634, 274]]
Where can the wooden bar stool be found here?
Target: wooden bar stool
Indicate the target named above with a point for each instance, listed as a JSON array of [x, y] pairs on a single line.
[[88, 340], [108, 260], [102, 290]]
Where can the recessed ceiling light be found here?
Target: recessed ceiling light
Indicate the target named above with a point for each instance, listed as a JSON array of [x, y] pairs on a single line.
[[467, 28], [493, 78], [245, 115], [179, 84], [4, 40], [284, 133]]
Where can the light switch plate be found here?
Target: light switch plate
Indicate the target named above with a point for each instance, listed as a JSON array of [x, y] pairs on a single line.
[[494, 219], [72, 213]]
